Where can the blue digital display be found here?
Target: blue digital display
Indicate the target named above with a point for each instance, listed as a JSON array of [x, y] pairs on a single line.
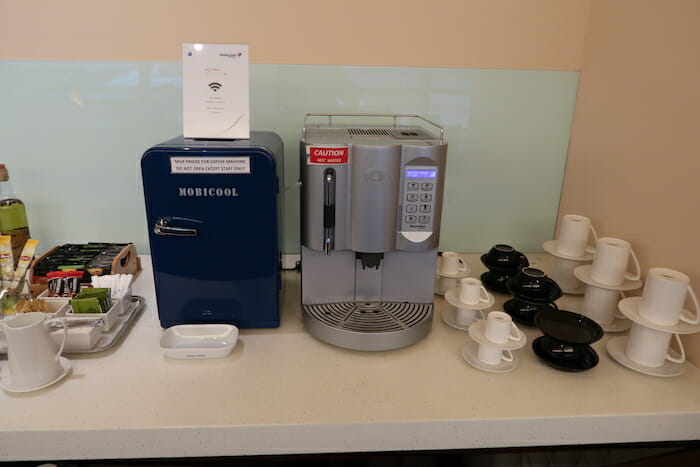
[[419, 173]]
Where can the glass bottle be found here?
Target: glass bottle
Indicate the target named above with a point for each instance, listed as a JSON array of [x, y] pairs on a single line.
[[13, 216]]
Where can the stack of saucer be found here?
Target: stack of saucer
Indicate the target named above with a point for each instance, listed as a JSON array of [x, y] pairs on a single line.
[[502, 262], [570, 250], [468, 302], [566, 342], [451, 268], [657, 316], [605, 279], [492, 343], [533, 292]]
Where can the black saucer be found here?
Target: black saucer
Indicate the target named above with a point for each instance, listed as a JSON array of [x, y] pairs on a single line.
[[510, 271], [553, 293], [524, 312], [583, 357], [495, 282], [569, 327]]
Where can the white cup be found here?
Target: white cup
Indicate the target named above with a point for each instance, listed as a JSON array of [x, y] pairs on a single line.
[[572, 238], [611, 260], [493, 355], [500, 328], [472, 292], [649, 347], [452, 263], [664, 296], [443, 284], [467, 316], [31, 355], [563, 274], [600, 304]]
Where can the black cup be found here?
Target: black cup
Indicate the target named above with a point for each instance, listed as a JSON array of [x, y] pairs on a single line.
[[534, 285], [504, 258]]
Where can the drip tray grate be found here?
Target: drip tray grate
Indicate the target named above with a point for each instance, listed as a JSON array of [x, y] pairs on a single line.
[[380, 317]]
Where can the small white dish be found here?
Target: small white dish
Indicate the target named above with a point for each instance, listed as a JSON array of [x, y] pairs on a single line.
[[477, 332], [551, 248], [199, 341], [470, 353], [452, 297], [450, 318], [583, 273], [630, 308], [616, 348], [6, 380]]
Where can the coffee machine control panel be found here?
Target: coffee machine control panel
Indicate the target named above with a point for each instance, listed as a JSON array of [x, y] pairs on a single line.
[[419, 186]]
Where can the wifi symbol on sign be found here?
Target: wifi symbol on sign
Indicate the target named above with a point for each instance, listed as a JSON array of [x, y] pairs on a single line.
[[215, 86]]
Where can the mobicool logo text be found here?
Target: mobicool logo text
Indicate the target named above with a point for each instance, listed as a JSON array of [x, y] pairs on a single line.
[[195, 192]]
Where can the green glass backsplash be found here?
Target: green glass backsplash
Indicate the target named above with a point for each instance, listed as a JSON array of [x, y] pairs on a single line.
[[73, 134]]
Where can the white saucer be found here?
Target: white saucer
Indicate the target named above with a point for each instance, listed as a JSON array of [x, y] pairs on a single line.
[[551, 248], [470, 353], [630, 308], [452, 297], [457, 275], [616, 348], [6, 382], [450, 318], [476, 331], [583, 273]]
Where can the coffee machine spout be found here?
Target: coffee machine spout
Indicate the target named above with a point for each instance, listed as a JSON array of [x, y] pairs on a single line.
[[370, 260]]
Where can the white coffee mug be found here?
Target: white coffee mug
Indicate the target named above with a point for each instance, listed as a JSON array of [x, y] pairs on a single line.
[[573, 235], [492, 355], [600, 304], [500, 328], [664, 296], [467, 315], [611, 260], [649, 347], [31, 355], [452, 263], [563, 273], [472, 292]]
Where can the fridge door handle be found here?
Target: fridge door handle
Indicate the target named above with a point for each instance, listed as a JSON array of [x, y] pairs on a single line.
[[161, 227]]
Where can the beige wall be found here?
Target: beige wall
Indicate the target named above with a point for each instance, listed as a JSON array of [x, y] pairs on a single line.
[[634, 156], [510, 34]]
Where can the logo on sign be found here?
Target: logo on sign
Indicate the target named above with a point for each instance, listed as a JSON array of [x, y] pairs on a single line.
[[328, 155], [201, 192]]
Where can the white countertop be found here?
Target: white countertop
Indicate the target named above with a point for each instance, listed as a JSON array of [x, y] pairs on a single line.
[[281, 391]]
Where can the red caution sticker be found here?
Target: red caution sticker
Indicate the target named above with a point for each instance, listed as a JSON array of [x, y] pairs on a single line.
[[320, 155]]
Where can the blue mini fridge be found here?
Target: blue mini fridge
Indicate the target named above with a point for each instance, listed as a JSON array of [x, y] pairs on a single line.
[[213, 218]]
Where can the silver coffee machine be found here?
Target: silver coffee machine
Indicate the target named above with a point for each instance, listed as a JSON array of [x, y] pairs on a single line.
[[371, 203]]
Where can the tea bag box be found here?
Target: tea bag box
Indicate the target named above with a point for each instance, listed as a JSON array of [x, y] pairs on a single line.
[[213, 218]]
